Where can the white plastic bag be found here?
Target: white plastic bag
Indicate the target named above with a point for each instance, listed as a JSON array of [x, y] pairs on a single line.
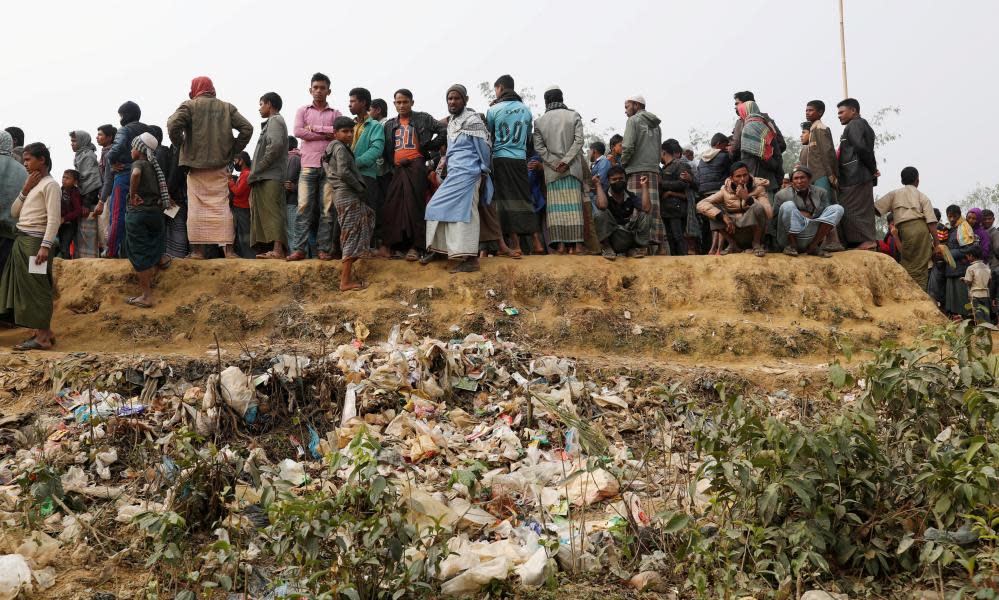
[[473, 579], [15, 576]]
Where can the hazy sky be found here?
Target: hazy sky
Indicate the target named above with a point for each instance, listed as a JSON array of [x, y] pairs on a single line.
[[69, 65]]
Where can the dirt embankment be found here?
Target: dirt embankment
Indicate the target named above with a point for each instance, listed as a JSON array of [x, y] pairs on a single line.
[[694, 310]]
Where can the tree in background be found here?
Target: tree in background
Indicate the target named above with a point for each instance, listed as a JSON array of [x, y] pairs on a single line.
[[982, 197]]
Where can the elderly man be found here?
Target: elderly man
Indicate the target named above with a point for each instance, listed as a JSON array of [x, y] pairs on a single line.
[[452, 214], [202, 128], [641, 147], [915, 222], [558, 140], [804, 215], [743, 207], [858, 173]]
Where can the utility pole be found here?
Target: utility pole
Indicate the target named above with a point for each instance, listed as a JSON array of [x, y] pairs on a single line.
[[842, 49]]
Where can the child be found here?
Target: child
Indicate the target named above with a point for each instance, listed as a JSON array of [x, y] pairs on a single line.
[[72, 210], [356, 218], [977, 277]]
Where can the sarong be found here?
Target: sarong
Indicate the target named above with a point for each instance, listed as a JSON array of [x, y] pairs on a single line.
[[26, 299], [917, 248], [858, 216], [512, 198], [241, 221], [489, 223], [357, 221], [209, 220], [86, 243], [457, 240], [116, 214], [956, 297], [657, 237], [403, 225], [267, 213], [146, 234], [176, 234], [565, 211]]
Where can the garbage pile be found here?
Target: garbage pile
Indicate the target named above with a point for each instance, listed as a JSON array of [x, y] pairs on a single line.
[[522, 459]]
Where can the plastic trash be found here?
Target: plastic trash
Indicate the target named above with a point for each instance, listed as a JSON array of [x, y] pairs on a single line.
[[237, 393], [292, 472], [349, 404], [15, 576], [475, 578], [590, 487], [647, 581], [535, 571]]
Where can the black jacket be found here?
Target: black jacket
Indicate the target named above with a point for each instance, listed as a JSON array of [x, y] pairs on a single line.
[[430, 133], [711, 174], [857, 163], [672, 207]]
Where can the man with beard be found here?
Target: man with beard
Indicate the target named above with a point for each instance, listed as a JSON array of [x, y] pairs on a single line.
[[452, 226]]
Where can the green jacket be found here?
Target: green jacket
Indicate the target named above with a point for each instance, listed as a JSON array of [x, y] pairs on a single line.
[[202, 129], [369, 147], [642, 143]]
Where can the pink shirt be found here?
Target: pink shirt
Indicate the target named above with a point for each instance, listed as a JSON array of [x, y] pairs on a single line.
[[314, 142]]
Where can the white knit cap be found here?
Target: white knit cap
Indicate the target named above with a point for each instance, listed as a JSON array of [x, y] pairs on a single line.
[[553, 87], [149, 140], [638, 99]]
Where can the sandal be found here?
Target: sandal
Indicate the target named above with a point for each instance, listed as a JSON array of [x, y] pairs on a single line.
[[397, 256], [412, 255], [790, 251], [325, 256], [134, 301], [820, 253], [270, 255], [759, 252], [31, 344], [428, 258], [514, 254], [608, 253], [193, 256], [465, 266], [165, 261], [729, 250]]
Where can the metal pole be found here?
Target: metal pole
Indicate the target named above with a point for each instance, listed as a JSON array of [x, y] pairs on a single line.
[[842, 49]]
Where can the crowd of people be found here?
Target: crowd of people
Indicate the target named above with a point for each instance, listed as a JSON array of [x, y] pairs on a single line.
[[471, 185]]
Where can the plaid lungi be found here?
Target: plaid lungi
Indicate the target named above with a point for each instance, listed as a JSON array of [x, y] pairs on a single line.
[[657, 235], [565, 211], [209, 220]]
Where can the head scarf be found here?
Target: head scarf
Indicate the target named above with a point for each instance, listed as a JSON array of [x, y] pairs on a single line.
[[6, 144], [467, 121], [83, 142], [202, 86], [983, 235], [554, 99], [757, 134], [147, 144]]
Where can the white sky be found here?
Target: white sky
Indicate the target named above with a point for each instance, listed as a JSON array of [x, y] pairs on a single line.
[[933, 59]]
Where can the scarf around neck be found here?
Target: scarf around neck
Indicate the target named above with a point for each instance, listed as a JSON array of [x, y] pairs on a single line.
[[6, 144], [150, 154], [507, 96], [556, 106], [468, 122]]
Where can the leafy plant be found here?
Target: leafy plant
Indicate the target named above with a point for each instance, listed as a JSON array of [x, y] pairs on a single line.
[[356, 543]]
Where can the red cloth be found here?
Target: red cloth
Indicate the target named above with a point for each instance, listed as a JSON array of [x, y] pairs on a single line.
[[201, 86], [240, 190], [72, 207]]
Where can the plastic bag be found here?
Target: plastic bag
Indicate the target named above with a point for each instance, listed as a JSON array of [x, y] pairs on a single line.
[[15, 576], [473, 579], [238, 394]]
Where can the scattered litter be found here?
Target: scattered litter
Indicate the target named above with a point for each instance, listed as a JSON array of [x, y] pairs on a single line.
[[15, 576]]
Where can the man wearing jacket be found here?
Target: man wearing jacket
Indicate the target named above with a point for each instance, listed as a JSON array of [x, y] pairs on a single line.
[[410, 137], [368, 146], [858, 173], [314, 126], [558, 140], [818, 154], [202, 128], [268, 217], [674, 185], [640, 158]]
